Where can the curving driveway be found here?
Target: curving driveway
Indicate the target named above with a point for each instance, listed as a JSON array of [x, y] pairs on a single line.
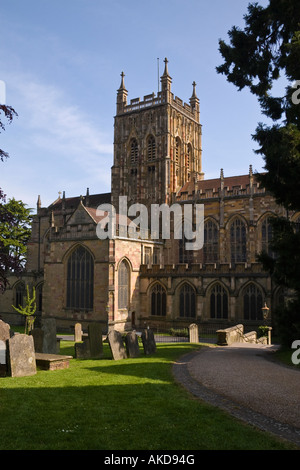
[[243, 380]]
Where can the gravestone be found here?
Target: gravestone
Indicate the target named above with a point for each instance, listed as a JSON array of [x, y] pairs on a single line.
[[78, 333], [132, 344], [2, 352], [21, 356], [38, 339], [2, 358], [193, 333], [95, 339], [82, 349], [116, 345], [148, 341], [4, 331], [50, 340]]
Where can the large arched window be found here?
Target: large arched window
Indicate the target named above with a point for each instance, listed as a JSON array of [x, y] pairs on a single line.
[[123, 284], [158, 300], [253, 302], [80, 280], [218, 302], [151, 149], [187, 301], [238, 241], [211, 242], [133, 151]]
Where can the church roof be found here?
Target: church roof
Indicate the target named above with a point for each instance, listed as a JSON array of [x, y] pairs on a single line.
[[230, 182], [93, 201], [97, 218]]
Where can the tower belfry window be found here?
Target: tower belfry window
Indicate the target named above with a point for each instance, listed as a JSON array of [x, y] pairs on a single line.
[[177, 151], [188, 156], [133, 151], [151, 148]]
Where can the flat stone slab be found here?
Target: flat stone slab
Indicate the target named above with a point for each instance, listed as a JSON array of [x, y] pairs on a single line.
[[52, 361]]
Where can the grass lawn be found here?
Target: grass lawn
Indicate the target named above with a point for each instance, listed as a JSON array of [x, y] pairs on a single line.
[[103, 404], [285, 356]]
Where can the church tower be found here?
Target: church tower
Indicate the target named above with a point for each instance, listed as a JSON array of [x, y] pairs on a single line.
[[157, 145]]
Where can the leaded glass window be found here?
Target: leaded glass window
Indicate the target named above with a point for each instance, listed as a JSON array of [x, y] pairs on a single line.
[[238, 241], [123, 285], [80, 280], [253, 303], [218, 302], [187, 301], [158, 300], [211, 242]]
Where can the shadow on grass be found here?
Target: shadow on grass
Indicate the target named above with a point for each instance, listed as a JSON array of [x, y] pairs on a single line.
[[120, 416], [130, 404]]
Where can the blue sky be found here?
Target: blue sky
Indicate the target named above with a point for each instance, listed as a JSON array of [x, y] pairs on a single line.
[[61, 63]]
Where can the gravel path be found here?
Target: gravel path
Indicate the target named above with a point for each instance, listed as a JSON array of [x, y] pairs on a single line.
[[244, 380]]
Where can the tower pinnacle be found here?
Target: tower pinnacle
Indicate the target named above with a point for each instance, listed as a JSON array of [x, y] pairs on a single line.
[[166, 73], [122, 85], [121, 95], [166, 81], [194, 102]]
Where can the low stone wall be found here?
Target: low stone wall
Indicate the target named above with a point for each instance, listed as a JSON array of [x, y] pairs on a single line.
[[230, 335], [235, 334], [250, 337]]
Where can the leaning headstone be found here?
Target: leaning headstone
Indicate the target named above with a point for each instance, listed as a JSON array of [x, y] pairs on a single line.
[[38, 339], [21, 356], [78, 333], [132, 344], [4, 331], [49, 341], [116, 345], [148, 341], [95, 338], [193, 333], [2, 358]]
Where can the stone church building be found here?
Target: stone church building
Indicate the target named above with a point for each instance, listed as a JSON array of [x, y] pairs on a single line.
[[125, 282]]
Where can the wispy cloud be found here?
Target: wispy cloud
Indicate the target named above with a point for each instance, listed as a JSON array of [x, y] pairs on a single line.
[[62, 133], [49, 116]]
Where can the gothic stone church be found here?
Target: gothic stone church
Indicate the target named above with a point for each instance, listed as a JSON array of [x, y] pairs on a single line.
[[123, 282]]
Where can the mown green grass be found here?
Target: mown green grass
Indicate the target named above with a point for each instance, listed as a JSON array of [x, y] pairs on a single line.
[[104, 404]]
